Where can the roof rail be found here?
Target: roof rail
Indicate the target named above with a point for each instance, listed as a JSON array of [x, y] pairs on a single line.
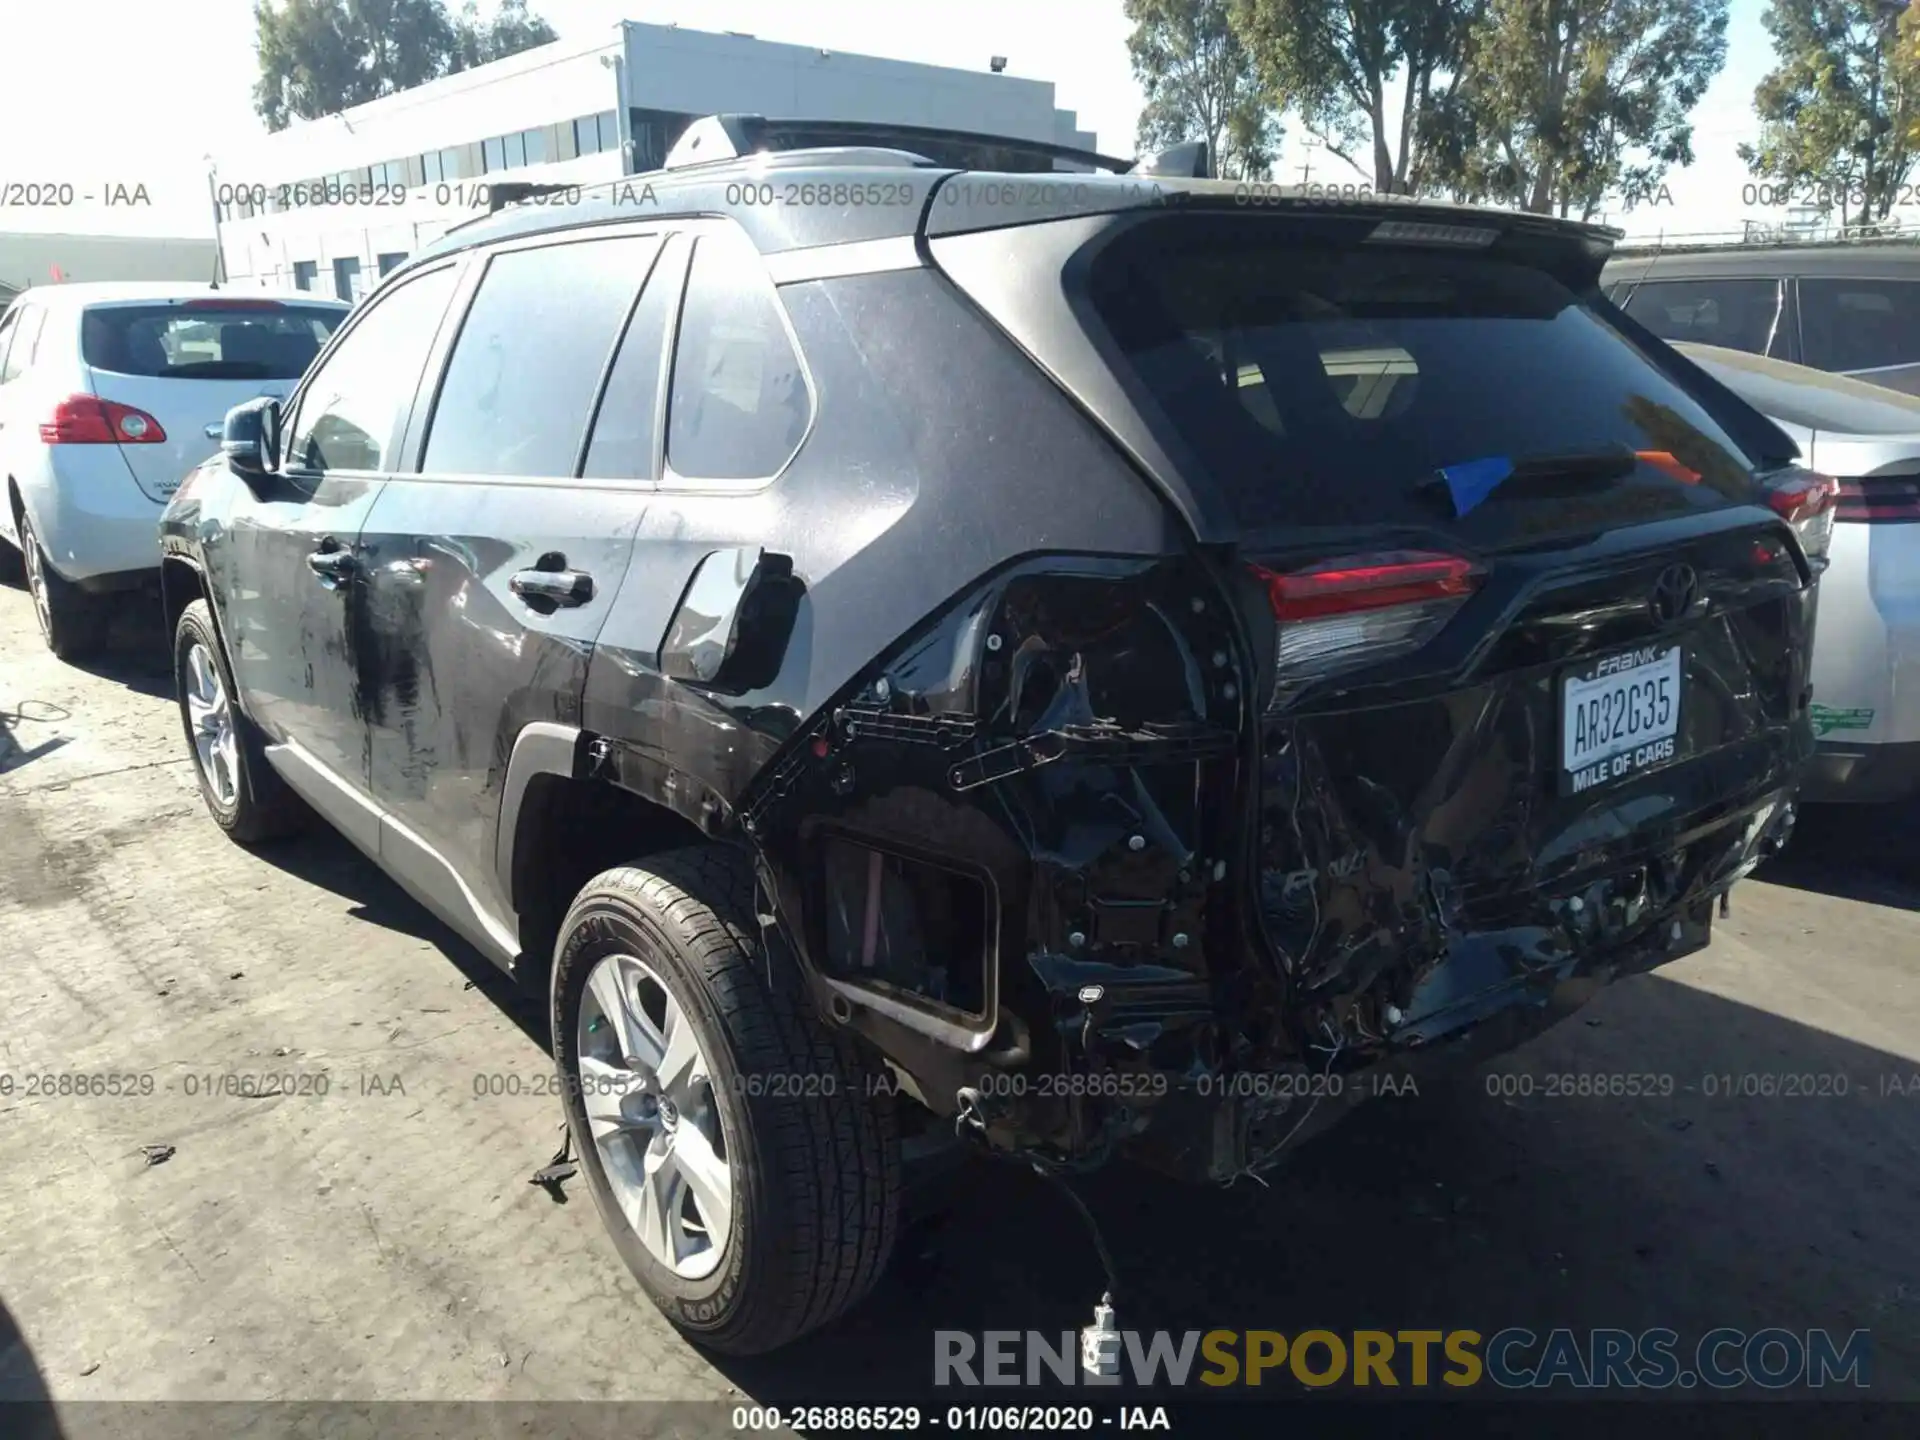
[[1188, 161], [1760, 236], [731, 137], [512, 192]]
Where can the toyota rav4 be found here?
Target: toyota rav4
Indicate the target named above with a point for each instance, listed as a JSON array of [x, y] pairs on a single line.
[[1072, 660]]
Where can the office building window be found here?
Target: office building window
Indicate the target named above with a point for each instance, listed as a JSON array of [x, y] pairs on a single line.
[[586, 135], [391, 260], [609, 127], [305, 272], [450, 165], [493, 155], [346, 277], [536, 147], [430, 165], [516, 144]]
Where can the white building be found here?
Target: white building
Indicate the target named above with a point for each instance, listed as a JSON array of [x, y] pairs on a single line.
[[332, 204]]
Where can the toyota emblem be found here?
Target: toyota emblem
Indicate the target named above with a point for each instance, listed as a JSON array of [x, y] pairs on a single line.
[[1675, 594]]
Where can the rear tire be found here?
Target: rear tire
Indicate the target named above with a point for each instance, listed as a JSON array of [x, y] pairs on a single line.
[[805, 1131], [72, 622], [245, 795]]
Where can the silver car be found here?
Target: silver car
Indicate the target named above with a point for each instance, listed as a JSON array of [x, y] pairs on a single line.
[[1866, 664]]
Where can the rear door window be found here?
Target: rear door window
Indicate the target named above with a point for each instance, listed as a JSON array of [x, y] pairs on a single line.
[[1330, 384], [1860, 324], [624, 444], [520, 384], [1734, 314], [206, 340]]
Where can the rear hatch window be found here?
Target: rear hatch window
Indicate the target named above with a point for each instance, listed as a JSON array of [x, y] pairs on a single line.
[[1328, 381], [206, 340]]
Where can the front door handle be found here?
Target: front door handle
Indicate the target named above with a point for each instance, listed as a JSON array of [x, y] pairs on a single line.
[[331, 561], [556, 587]]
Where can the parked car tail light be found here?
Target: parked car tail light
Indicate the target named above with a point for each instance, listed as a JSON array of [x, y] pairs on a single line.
[[1360, 609], [89, 420], [1806, 500], [1879, 498]]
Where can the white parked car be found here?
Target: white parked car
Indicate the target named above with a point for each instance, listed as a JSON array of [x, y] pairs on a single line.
[[1866, 649], [109, 395]]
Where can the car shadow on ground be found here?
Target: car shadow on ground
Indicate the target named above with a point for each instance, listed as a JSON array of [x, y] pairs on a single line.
[[322, 857], [1856, 852], [1697, 1204], [26, 1401], [136, 654], [1478, 1211]]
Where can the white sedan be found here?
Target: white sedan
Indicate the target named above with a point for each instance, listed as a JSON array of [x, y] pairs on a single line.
[[109, 395], [1866, 652]]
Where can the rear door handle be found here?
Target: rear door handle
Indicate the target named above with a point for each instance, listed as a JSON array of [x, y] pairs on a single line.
[[556, 587], [331, 561]]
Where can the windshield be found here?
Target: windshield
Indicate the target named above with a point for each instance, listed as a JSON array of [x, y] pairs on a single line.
[[206, 343], [1322, 383]]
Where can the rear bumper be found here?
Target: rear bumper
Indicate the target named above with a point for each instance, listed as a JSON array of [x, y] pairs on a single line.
[[1485, 994], [1848, 772], [92, 520]]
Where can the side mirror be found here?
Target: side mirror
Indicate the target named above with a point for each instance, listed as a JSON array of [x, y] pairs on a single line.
[[250, 439]]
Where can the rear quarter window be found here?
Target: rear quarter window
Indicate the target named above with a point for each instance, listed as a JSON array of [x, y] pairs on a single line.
[[175, 342]]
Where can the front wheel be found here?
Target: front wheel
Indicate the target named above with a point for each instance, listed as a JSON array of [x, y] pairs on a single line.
[[245, 795], [744, 1158]]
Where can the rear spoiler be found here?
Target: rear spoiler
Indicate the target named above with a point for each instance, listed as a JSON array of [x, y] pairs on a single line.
[[730, 137]]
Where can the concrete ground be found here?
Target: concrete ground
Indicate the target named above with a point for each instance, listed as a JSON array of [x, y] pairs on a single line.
[[381, 1241]]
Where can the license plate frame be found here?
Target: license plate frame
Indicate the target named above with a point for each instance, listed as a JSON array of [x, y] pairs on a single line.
[[1625, 755]]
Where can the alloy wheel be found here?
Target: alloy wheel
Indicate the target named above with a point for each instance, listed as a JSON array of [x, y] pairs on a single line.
[[649, 1099], [36, 578], [210, 718]]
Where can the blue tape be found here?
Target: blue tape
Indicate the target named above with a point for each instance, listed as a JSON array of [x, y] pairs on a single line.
[[1471, 481]]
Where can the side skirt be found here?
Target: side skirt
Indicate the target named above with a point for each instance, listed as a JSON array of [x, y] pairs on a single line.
[[419, 869]]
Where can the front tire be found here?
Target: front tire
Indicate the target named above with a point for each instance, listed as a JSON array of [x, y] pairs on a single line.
[[72, 622], [744, 1158], [245, 795]]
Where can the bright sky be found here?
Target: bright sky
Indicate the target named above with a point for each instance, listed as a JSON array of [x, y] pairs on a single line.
[[99, 92]]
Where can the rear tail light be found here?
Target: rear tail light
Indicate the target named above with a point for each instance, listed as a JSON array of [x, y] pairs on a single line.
[[1359, 610], [1879, 498], [1806, 500], [89, 420]]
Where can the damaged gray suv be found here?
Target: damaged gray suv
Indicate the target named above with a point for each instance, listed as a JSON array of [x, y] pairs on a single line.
[[1079, 661]]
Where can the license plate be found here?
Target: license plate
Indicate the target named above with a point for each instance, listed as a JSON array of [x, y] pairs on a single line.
[[1619, 715]]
